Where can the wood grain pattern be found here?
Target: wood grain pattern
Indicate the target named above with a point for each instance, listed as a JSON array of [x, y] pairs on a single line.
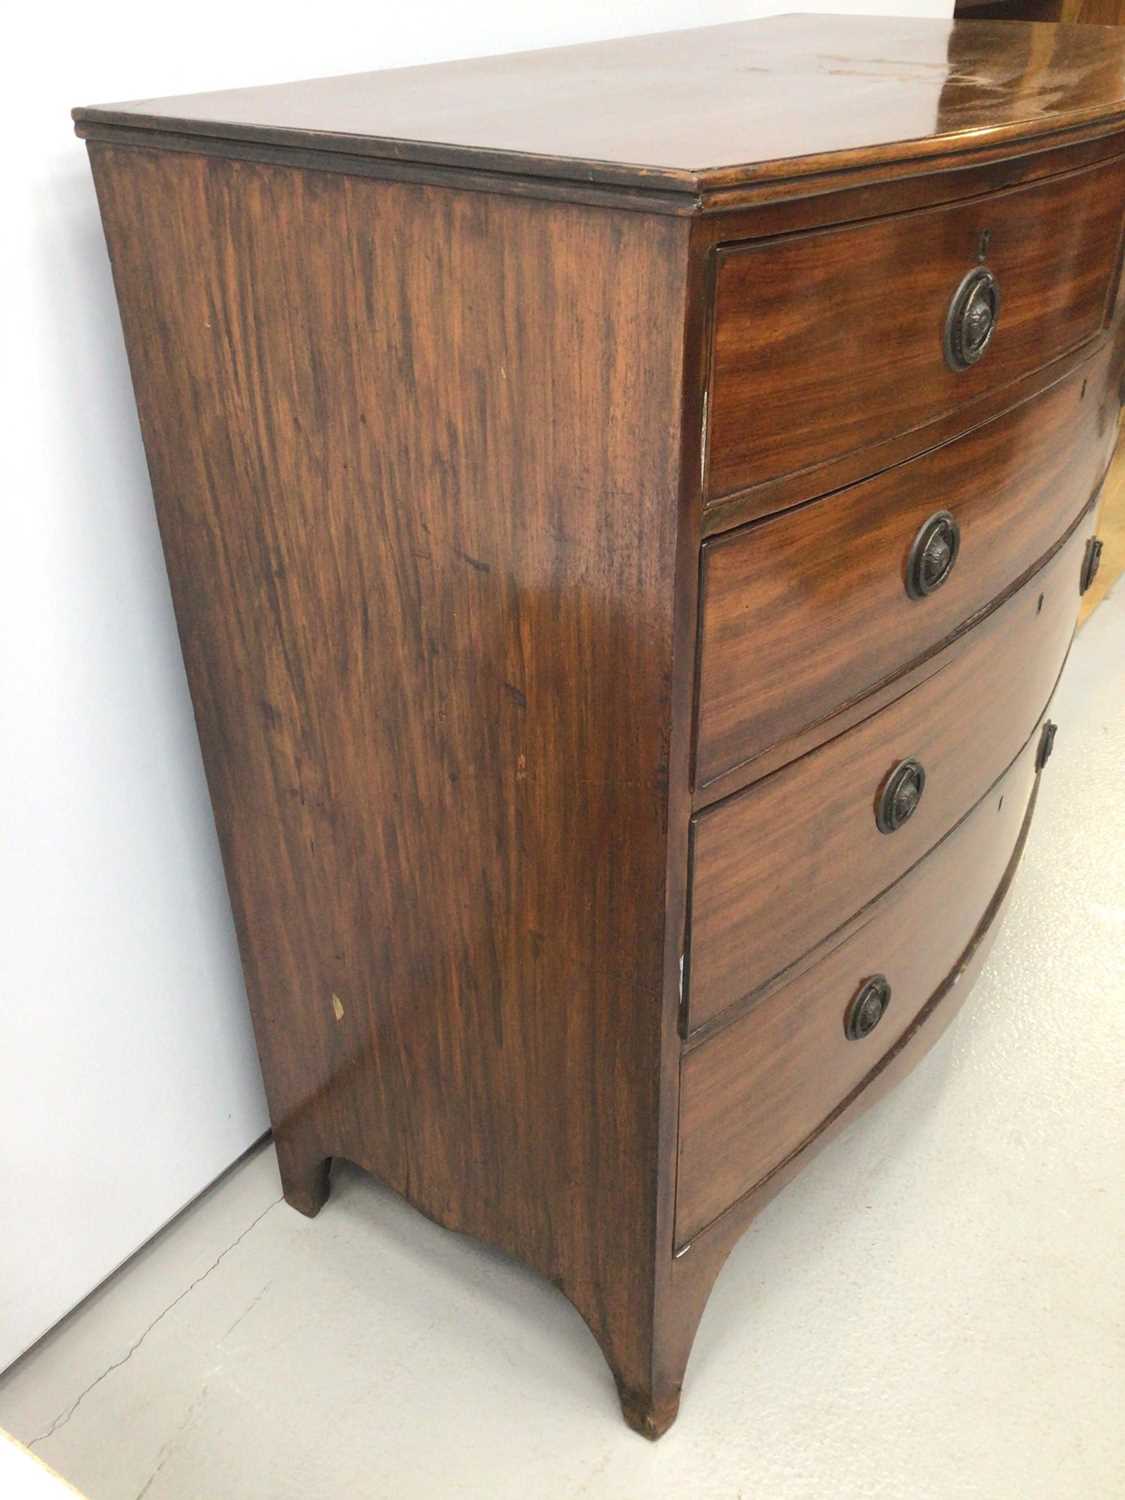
[[416, 464], [840, 473], [810, 828], [794, 385], [689, 111], [807, 612], [752, 1095]]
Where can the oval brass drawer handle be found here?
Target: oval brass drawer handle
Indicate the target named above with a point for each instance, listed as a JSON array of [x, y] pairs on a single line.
[[867, 1007], [932, 554], [971, 320], [899, 795]]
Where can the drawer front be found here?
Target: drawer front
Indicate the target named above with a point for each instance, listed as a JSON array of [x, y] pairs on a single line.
[[807, 611], [753, 1094], [827, 342], [780, 866]]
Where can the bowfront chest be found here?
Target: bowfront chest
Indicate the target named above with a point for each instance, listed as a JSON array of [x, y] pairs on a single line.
[[626, 509]]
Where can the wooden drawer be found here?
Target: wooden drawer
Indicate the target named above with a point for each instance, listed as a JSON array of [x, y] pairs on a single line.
[[807, 611], [780, 866], [755, 1093], [825, 343]]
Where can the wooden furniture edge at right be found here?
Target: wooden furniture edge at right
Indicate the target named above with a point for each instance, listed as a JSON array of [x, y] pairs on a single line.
[[1065, 12], [1111, 517]]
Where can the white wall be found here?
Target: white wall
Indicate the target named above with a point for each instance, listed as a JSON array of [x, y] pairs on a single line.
[[128, 1078]]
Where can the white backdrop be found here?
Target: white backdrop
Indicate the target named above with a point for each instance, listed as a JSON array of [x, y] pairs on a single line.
[[128, 1078]]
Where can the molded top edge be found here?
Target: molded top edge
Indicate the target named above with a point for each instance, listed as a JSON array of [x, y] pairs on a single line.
[[688, 111]]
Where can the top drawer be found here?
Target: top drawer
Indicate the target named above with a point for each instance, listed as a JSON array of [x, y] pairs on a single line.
[[828, 342]]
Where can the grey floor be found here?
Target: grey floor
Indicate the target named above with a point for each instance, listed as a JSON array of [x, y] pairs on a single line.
[[933, 1311]]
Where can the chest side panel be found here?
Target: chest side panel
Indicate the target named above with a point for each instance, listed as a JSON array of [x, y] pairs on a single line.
[[415, 455]]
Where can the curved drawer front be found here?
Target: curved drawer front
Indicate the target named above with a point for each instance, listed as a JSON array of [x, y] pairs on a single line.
[[825, 343], [755, 1093], [779, 867], [807, 611]]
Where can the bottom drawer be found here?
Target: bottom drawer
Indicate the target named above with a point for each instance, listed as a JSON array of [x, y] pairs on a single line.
[[755, 1093]]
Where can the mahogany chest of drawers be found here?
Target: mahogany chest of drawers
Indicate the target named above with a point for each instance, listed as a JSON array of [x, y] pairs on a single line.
[[626, 509]]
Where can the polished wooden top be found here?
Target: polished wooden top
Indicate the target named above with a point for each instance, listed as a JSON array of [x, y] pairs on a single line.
[[688, 111]]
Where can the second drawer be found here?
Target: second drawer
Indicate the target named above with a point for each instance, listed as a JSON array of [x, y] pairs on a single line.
[[806, 611], [778, 867]]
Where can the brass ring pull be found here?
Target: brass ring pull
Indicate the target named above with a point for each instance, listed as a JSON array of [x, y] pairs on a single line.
[[971, 320], [932, 554], [899, 796], [867, 1007]]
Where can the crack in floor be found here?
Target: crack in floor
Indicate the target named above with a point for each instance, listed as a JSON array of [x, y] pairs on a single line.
[[169, 1447], [64, 1416], [246, 1311]]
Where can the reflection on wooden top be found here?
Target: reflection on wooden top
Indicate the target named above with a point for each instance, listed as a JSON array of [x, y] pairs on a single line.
[[689, 110]]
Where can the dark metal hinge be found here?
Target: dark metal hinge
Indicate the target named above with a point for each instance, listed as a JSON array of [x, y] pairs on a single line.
[[1091, 561], [1046, 744]]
